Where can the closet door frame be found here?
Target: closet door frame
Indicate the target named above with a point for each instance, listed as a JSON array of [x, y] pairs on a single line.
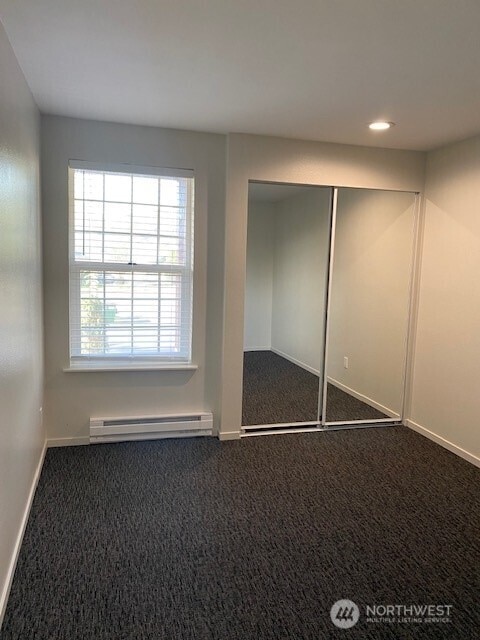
[[322, 424], [309, 425], [409, 331]]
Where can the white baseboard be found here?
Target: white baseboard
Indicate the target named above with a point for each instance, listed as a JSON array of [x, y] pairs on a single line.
[[229, 435], [67, 442], [466, 455], [299, 363], [363, 398], [269, 348], [18, 543]]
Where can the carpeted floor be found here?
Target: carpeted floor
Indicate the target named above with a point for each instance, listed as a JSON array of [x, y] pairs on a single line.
[[342, 407], [248, 540], [277, 391]]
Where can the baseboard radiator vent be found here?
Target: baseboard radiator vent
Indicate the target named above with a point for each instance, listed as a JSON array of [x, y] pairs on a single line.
[[185, 425]]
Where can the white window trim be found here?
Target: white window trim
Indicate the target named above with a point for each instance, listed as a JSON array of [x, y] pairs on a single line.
[[131, 168], [85, 363], [121, 365]]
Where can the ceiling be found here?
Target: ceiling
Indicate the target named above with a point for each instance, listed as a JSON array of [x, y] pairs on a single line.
[[311, 69]]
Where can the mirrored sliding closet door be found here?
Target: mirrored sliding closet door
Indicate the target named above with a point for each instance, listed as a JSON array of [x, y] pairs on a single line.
[[288, 245], [369, 302]]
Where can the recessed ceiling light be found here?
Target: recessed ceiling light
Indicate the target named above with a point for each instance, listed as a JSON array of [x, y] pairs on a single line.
[[381, 125]]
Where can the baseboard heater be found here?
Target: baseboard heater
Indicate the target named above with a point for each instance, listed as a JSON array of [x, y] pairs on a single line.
[[186, 425]]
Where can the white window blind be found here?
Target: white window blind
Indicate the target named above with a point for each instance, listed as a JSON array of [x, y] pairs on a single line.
[[131, 265]]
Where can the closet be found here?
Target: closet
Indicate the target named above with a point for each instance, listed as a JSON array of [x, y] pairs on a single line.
[[327, 306]]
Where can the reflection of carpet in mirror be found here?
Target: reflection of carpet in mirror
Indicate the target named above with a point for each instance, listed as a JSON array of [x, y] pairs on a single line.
[[342, 407], [277, 391]]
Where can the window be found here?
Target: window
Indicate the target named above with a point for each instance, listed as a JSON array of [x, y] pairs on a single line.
[[131, 265]]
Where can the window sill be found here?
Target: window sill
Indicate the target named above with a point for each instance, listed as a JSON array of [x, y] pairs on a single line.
[[92, 368]]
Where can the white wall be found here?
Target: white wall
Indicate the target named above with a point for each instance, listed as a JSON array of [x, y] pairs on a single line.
[[21, 376], [71, 398], [445, 393], [300, 265], [297, 162], [259, 284], [370, 295]]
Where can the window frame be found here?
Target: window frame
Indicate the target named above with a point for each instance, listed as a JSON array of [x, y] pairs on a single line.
[[111, 362]]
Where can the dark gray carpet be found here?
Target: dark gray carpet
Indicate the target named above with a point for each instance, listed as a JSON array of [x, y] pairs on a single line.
[[277, 391], [247, 540], [342, 407]]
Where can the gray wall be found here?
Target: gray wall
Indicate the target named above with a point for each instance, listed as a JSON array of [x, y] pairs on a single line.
[[259, 276], [72, 398], [300, 266], [21, 353], [445, 396]]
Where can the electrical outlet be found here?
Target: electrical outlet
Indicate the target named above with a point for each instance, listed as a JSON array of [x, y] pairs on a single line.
[[345, 362]]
